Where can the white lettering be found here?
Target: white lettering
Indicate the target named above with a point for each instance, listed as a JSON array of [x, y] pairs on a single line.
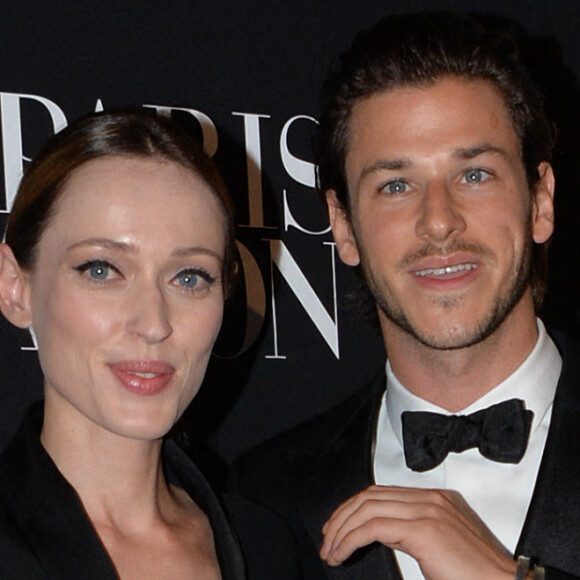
[[208, 129], [290, 221], [301, 171], [254, 166], [12, 138], [327, 327]]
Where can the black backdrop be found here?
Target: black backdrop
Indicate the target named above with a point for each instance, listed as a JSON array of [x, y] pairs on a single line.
[[244, 77]]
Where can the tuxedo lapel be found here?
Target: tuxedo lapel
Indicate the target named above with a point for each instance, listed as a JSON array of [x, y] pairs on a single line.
[[336, 468], [550, 530]]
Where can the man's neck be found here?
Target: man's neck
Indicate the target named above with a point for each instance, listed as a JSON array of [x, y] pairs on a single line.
[[455, 378]]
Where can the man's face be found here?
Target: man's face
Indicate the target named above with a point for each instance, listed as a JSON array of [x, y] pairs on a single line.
[[442, 220]]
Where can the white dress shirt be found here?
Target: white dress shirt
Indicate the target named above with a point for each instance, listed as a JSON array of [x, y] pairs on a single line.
[[499, 493]]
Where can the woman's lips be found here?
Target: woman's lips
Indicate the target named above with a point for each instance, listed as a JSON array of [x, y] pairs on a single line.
[[143, 377]]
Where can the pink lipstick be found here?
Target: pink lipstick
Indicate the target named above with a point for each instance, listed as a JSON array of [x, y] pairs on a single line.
[[143, 377]]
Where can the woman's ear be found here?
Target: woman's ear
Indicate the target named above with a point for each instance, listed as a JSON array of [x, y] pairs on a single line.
[[14, 290]]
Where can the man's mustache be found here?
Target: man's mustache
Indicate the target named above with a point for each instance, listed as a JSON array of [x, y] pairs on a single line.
[[431, 249]]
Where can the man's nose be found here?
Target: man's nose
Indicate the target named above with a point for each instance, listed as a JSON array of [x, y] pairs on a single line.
[[440, 216]]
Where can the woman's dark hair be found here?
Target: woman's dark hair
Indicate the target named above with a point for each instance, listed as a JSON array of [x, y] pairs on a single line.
[[417, 50], [125, 133]]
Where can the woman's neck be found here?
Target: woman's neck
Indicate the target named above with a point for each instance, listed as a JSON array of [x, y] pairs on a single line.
[[119, 480]]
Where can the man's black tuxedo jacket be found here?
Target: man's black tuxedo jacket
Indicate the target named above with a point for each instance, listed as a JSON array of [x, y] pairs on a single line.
[[301, 476], [45, 532]]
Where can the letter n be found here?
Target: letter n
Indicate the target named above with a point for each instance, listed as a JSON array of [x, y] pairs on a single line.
[[291, 272]]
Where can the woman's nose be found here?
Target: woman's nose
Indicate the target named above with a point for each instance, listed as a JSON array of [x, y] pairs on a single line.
[[148, 315]]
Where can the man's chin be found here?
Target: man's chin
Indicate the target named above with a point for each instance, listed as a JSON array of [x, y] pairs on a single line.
[[450, 340], [446, 334]]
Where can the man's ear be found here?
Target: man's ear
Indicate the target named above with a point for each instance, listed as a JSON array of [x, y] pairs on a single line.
[[342, 230], [543, 204], [14, 290]]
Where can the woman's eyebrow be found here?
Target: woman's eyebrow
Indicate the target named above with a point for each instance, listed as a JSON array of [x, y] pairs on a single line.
[[106, 243], [195, 250]]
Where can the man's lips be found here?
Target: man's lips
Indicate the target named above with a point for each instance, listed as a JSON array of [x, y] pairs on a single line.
[[461, 266], [446, 272], [143, 377]]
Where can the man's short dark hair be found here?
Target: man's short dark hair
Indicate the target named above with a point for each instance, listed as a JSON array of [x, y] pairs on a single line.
[[417, 50]]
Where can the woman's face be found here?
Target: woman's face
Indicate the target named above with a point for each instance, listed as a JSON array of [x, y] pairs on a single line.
[[126, 296]]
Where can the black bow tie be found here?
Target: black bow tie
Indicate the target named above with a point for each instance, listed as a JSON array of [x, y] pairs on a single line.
[[499, 432]]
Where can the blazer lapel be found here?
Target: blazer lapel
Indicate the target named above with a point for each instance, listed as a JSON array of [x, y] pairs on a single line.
[[49, 511], [341, 466], [550, 530]]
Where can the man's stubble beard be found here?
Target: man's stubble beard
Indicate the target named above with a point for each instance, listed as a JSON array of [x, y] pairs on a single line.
[[503, 304]]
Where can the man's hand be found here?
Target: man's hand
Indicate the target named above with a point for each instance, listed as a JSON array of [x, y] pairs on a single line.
[[435, 527]]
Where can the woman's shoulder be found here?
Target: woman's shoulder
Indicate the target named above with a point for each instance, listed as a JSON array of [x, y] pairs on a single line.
[[17, 559]]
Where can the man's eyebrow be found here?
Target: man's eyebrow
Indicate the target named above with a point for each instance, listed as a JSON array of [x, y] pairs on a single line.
[[473, 152], [461, 153], [384, 164]]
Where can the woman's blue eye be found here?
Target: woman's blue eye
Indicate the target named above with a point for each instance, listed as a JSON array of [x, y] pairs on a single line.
[[98, 270], [194, 279], [188, 279]]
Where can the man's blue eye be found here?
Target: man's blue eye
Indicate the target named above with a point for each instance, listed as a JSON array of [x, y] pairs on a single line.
[[475, 176], [396, 186]]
